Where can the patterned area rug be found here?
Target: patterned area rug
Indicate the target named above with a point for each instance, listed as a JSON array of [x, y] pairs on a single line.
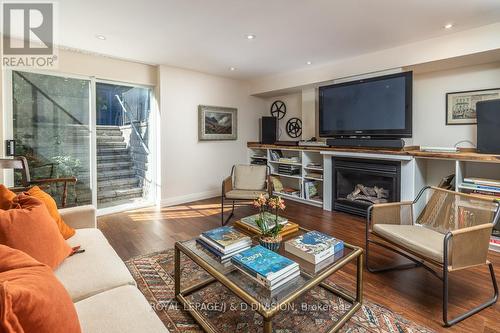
[[154, 274]]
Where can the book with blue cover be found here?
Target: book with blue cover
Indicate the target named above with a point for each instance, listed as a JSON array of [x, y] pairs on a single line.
[[314, 246], [225, 239], [219, 256], [263, 264]]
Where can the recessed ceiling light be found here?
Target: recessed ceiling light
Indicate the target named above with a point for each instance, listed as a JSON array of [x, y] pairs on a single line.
[[309, 63], [101, 37], [250, 36], [232, 69], [448, 26]]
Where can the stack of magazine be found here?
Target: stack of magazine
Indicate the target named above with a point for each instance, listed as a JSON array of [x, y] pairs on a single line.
[[224, 242], [249, 224], [490, 188], [266, 267], [314, 246]]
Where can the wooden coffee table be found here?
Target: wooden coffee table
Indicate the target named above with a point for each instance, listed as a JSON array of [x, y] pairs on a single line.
[[259, 299]]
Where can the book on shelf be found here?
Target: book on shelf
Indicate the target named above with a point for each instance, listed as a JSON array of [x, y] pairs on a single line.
[[226, 239], [275, 155], [289, 159], [310, 189], [482, 181], [314, 165], [495, 243], [314, 246], [315, 175], [288, 228], [477, 187], [291, 191], [265, 266]]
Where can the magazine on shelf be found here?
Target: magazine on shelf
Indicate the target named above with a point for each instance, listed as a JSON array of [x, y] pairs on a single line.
[[314, 246], [480, 187], [263, 264], [225, 239], [482, 181], [310, 189]]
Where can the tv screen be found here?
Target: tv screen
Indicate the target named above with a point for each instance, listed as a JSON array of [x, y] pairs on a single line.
[[380, 106]]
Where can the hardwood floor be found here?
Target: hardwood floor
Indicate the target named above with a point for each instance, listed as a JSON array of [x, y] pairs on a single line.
[[414, 293]]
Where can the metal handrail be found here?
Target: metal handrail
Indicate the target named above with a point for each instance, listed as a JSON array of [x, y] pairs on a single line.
[[132, 124], [44, 94]]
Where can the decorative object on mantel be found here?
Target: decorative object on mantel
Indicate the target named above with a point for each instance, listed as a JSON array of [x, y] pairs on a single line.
[[461, 105], [154, 274], [294, 127], [271, 237], [217, 123], [278, 109]]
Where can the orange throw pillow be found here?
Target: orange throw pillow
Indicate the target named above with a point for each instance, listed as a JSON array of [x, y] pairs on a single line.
[[50, 203], [31, 298], [6, 197], [30, 228]]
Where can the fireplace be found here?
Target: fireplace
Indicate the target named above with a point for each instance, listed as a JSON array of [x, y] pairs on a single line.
[[359, 183]]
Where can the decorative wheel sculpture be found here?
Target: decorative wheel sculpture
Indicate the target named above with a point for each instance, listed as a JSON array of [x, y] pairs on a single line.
[[294, 127], [278, 109]]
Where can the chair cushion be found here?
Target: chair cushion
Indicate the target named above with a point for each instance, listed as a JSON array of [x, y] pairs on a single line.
[[120, 310], [245, 194], [250, 177], [31, 298], [419, 239], [97, 269]]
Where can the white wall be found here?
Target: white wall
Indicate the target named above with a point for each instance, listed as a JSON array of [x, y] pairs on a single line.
[[193, 170], [429, 103], [293, 104]]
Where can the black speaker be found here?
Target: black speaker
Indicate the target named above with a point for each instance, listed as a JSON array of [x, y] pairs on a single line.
[[488, 127], [269, 130]]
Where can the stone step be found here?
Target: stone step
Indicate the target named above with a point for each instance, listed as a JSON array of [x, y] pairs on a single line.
[[114, 157], [101, 145], [107, 128], [111, 151], [113, 174], [114, 165], [110, 138], [134, 191], [120, 182], [109, 133]]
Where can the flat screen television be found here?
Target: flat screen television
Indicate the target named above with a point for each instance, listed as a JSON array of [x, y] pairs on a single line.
[[375, 107]]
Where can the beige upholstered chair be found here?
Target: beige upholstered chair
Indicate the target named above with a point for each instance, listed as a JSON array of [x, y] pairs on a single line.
[[451, 232], [246, 182]]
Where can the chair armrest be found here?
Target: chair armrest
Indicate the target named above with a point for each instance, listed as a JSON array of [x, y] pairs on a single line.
[[227, 185], [79, 217], [390, 213], [469, 246]]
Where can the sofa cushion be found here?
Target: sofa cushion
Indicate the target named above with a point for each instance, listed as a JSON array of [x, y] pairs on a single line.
[[120, 310], [29, 227], [245, 194], [250, 177], [96, 270], [31, 298], [419, 239]]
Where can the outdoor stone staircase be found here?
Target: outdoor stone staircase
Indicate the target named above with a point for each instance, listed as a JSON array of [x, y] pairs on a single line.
[[117, 178]]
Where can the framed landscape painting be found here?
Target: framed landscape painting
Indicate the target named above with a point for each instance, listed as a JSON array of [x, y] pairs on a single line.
[[461, 106], [217, 123]]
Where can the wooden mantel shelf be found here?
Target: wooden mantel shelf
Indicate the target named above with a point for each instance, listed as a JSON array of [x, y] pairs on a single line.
[[462, 155]]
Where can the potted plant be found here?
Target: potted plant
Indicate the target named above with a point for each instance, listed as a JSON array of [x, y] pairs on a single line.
[[270, 236]]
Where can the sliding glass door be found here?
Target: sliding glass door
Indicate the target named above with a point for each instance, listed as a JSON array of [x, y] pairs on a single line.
[[51, 128], [97, 131]]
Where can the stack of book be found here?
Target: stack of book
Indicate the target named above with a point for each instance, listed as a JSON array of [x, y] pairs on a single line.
[[249, 224], [314, 246], [288, 169], [291, 191], [495, 243], [266, 267], [293, 159], [224, 242], [481, 186]]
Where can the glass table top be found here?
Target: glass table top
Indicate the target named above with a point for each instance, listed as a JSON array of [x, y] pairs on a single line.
[[309, 273]]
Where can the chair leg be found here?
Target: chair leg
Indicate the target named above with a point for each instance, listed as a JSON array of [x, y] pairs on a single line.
[[224, 222], [493, 300]]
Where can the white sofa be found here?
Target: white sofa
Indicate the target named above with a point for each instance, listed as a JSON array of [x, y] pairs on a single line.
[[104, 292]]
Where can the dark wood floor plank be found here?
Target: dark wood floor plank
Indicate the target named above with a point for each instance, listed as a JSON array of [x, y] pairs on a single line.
[[415, 293]]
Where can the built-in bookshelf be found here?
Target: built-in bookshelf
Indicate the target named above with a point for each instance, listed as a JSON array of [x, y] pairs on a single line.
[[299, 171]]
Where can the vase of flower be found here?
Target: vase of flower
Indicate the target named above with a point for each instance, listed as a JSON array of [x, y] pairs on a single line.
[[270, 229]]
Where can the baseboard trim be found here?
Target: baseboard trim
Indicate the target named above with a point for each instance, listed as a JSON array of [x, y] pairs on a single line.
[[189, 198]]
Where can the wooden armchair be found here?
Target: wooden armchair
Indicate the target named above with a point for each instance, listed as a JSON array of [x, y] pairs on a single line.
[[451, 233], [20, 163], [246, 182]]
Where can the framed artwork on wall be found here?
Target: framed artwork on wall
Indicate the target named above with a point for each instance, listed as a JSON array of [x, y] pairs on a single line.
[[461, 105], [217, 123]]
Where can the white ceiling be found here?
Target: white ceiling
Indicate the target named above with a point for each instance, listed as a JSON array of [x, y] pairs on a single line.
[[209, 35]]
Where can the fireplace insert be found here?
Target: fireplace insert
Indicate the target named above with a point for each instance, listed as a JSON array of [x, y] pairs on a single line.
[[359, 183]]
